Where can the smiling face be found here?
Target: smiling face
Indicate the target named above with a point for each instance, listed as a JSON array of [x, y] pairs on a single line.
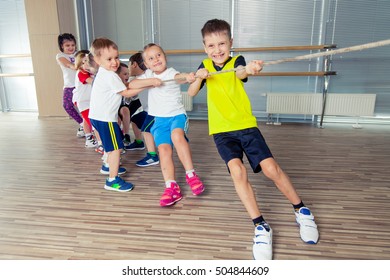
[[217, 47], [69, 46], [154, 59], [108, 59]]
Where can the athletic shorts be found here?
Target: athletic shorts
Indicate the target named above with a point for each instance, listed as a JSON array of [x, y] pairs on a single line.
[[148, 123], [110, 134], [163, 127], [250, 141], [139, 119]]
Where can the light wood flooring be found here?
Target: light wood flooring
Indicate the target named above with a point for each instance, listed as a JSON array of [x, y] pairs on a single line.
[[53, 205]]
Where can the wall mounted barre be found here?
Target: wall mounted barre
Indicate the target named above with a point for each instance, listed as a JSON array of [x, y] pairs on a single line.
[[255, 49]]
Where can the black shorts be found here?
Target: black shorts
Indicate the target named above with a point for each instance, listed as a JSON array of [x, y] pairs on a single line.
[[250, 141]]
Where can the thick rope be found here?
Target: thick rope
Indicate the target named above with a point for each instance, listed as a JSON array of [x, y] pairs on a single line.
[[304, 57]]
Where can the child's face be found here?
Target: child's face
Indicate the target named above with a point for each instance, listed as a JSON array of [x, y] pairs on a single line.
[[69, 47], [155, 60], [124, 74], [108, 59], [217, 47]]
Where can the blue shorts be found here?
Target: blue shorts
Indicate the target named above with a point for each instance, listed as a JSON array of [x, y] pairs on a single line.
[[163, 127], [250, 141], [148, 123], [110, 134]]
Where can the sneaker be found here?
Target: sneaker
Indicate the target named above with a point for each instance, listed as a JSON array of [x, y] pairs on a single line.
[[90, 142], [195, 183], [307, 226], [80, 132], [135, 146], [148, 161], [99, 149], [126, 140], [106, 170], [171, 195], [262, 242], [118, 185]]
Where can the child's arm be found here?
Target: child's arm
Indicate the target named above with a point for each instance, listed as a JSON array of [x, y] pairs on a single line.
[[144, 83], [194, 87], [67, 63], [252, 68], [183, 78], [130, 92]]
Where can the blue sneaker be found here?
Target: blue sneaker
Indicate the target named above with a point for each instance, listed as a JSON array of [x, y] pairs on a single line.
[[148, 161], [106, 170], [135, 146], [118, 185]]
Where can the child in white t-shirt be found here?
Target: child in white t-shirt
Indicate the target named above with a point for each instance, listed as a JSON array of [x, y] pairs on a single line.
[[171, 121], [106, 96], [65, 59]]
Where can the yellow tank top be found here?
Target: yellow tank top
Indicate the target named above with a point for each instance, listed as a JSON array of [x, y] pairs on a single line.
[[229, 108]]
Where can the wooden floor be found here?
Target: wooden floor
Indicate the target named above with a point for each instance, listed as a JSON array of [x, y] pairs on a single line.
[[53, 205]]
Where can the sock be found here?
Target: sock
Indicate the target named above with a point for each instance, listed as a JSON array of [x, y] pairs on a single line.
[[168, 183], [297, 206], [153, 154], [88, 135], [139, 141], [100, 143], [111, 179], [190, 173], [260, 221]]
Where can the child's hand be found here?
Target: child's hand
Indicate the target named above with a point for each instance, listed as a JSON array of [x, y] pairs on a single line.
[[202, 73], [156, 82], [190, 78], [254, 67]]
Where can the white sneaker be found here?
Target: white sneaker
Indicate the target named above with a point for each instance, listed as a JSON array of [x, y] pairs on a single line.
[[262, 243], [80, 132], [90, 142], [307, 226]]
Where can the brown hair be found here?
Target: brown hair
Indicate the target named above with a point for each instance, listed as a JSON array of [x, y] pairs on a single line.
[[148, 46], [100, 44], [216, 26], [137, 57], [120, 67]]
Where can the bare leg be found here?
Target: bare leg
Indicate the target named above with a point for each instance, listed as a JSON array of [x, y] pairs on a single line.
[[243, 187], [149, 142], [125, 119], [273, 171], [182, 148], [166, 162], [137, 131], [113, 161]]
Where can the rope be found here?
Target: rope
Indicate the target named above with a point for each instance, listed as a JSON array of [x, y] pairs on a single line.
[[304, 57]]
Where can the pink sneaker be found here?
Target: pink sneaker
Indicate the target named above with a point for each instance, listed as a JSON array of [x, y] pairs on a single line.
[[171, 195], [195, 183]]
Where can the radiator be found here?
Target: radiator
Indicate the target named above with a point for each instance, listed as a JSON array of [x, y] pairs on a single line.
[[187, 101], [337, 104]]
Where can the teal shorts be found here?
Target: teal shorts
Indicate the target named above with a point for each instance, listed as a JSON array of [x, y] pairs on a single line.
[[163, 127]]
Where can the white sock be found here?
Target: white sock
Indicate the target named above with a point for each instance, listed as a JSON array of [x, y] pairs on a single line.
[[190, 173], [168, 183], [111, 179]]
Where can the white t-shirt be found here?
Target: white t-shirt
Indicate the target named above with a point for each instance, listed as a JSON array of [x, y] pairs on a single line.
[[67, 73], [105, 100], [166, 100], [142, 96], [81, 94]]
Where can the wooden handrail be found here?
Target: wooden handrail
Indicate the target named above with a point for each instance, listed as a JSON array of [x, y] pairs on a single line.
[[319, 74], [257, 49], [16, 74], [15, 55]]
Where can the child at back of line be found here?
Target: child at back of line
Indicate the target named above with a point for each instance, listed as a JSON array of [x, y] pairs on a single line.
[[65, 59], [171, 121], [234, 129], [106, 96]]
